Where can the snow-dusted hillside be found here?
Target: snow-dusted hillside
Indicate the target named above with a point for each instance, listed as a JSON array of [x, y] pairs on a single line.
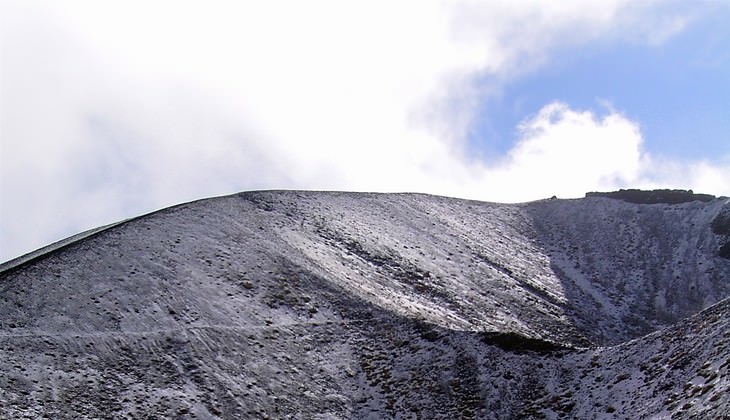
[[633, 268], [344, 305]]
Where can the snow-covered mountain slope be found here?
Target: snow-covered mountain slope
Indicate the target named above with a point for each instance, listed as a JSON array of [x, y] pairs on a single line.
[[633, 268], [678, 372], [343, 305]]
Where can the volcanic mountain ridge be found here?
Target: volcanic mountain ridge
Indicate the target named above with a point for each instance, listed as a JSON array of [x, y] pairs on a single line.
[[290, 304]]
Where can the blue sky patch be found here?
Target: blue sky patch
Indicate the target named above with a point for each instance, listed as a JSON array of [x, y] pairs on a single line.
[[678, 92]]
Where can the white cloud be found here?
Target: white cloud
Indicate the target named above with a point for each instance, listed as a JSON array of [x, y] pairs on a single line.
[[700, 176], [111, 109], [570, 152]]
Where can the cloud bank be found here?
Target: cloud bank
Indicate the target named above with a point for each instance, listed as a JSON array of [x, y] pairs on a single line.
[[112, 110]]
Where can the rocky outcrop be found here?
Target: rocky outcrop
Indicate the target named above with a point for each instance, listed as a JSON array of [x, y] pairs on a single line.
[[721, 226], [654, 196]]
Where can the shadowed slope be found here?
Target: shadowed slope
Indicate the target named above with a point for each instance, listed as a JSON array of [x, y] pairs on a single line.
[[633, 268]]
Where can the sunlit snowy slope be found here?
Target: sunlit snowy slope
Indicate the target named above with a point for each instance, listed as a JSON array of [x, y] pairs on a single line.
[[306, 305]]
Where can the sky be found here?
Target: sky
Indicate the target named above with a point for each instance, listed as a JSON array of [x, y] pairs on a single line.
[[110, 110]]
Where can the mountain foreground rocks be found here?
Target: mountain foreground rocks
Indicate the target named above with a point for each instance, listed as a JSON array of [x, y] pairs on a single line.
[[287, 304]]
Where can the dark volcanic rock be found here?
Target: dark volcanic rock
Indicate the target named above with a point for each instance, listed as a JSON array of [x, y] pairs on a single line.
[[654, 196], [721, 226], [724, 250], [721, 223]]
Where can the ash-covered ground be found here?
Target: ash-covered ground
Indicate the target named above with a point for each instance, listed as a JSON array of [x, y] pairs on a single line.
[[302, 305]]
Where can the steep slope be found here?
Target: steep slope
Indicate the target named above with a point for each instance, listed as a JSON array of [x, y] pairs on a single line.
[[680, 372], [360, 305], [633, 268]]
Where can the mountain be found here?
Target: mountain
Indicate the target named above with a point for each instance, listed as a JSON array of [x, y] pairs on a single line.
[[287, 304]]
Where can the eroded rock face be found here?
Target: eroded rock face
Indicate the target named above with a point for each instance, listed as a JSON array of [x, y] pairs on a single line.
[[721, 222], [340, 305], [721, 226]]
